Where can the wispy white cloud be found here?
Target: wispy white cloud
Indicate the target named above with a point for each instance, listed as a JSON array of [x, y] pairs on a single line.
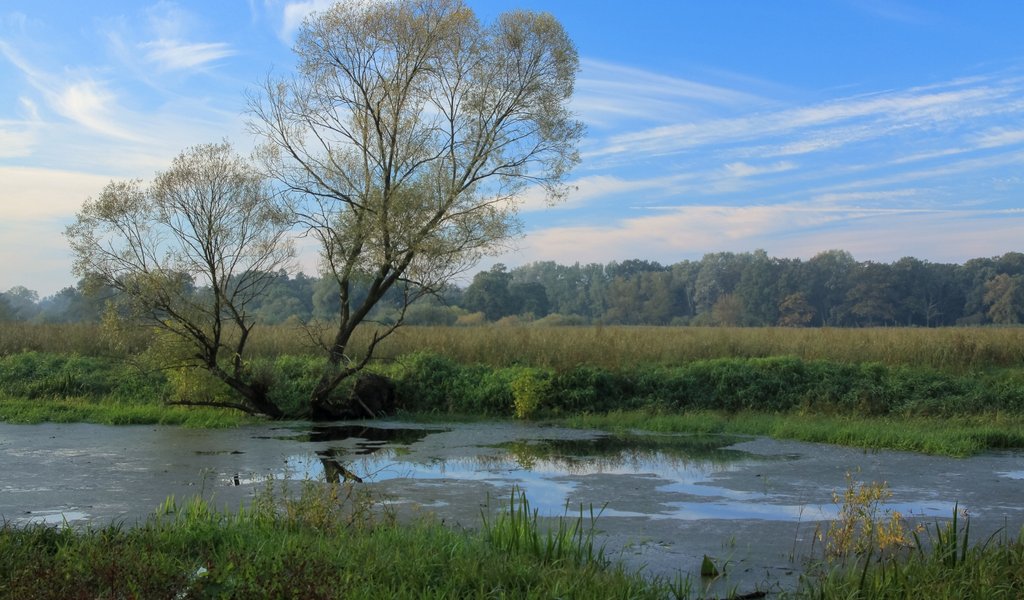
[[606, 93], [91, 104], [168, 20], [833, 198], [944, 171], [174, 55], [795, 229], [1000, 137], [926, 109], [590, 188], [742, 169], [79, 98]]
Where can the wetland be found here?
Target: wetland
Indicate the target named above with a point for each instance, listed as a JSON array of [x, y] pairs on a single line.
[[662, 502]]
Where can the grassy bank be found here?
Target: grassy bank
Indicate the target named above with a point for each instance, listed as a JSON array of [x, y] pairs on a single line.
[[869, 551], [329, 542], [871, 405], [956, 436]]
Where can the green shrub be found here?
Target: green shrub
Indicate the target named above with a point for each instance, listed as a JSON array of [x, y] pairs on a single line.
[[529, 391], [46, 375], [587, 388]]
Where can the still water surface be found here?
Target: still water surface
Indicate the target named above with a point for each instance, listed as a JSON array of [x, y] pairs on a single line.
[[664, 500]]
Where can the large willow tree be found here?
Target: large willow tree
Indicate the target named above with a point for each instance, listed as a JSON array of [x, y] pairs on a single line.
[[405, 138]]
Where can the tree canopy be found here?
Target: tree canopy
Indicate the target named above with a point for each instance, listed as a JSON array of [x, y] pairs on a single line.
[[190, 253], [405, 138]]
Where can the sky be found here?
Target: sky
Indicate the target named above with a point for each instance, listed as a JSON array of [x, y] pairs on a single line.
[[885, 128]]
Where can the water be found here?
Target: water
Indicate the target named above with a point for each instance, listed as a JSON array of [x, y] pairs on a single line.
[[664, 500]]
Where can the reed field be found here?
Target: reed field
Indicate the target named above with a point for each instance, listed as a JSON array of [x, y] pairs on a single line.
[[611, 347]]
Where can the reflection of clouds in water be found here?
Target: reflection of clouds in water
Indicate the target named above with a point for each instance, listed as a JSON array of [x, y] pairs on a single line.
[[766, 511], [547, 482], [691, 488], [53, 517], [1012, 474], [550, 482]]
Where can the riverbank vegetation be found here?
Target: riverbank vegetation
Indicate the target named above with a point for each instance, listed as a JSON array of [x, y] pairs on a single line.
[[330, 540], [942, 391], [326, 541], [871, 551]]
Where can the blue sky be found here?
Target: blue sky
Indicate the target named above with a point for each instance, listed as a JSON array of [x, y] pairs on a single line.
[[888, 129]]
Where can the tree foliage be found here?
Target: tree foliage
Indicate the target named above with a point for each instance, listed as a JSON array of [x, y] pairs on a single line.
[[190, 253], [405, 138]]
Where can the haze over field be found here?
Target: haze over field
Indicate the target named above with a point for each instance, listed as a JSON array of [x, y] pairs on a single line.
[[883, 128]]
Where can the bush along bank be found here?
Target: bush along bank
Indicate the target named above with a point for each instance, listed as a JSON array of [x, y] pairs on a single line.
[[429, 382]]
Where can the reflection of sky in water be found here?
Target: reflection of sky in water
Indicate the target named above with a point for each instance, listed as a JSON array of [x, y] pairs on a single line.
[[688, 490], [53, 517], [1012, 474], [549, 483]]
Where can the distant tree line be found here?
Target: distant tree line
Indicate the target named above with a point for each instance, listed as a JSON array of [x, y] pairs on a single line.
[[729, 289], [754, 289]]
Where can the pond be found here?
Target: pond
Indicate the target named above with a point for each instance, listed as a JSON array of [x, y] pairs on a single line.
[[663, 501]]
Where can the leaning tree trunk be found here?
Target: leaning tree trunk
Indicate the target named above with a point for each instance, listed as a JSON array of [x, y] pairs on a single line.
[[371, 396]]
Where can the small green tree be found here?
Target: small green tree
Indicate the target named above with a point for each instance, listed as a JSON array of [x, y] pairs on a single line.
[[190, 254]]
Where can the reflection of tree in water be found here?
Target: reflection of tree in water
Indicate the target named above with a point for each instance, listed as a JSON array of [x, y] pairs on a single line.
[[369, 441], [334, 470], [622, 450]]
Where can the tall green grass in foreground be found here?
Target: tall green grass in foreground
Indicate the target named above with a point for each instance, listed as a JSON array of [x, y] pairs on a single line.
[[612, 347], [328, 542], [516, 530]]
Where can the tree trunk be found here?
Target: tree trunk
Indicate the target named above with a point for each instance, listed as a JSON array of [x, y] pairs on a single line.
[[255, 394], [371, 396]]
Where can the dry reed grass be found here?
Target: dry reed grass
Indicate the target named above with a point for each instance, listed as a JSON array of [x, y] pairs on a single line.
[[613, 347]]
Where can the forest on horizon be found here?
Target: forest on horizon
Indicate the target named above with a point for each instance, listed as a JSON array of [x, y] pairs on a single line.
[[726, 289]]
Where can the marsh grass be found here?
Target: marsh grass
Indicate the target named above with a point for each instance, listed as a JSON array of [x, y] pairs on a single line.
[[946, 436], [325, 541], [517, 529], [870, 551], [864, 526], [868, 405], [110, 412], [941, 564], [610, 347]]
